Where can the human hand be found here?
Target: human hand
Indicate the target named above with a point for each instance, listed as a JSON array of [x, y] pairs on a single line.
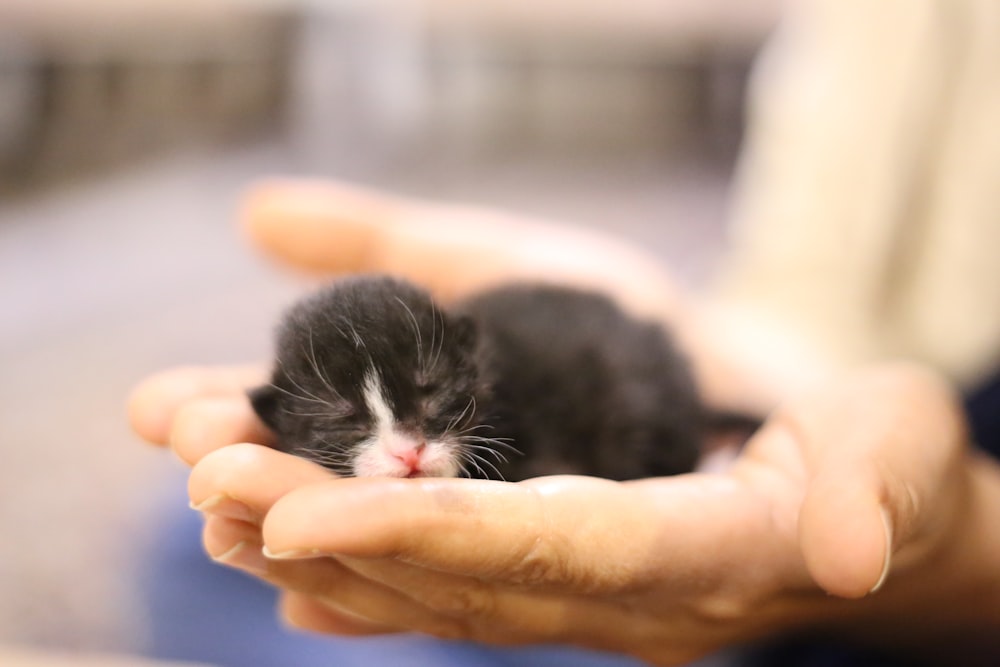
[[664, 569], [690, 600]]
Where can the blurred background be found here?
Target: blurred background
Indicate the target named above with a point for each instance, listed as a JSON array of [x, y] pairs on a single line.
[[128, 131]]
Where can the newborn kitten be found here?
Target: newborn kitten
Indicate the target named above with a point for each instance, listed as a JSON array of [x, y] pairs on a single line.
[[373, 378]]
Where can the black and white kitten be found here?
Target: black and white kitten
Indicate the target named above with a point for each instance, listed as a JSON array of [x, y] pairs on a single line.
[[373, 378]]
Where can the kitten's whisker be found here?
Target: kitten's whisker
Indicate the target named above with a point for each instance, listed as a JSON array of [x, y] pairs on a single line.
[[433, 333], [499, 456], [359, 342], [352, 335], [457, 420], [472, 414], [495, 442], [505, 441], [488, 463], [336, 462], [416, 332], [306, 393], [435, 314], [471, 460], [325, 454], [319, 373], [306, 414], [340, 329], [451, 424], [473, 428], [309, 398]]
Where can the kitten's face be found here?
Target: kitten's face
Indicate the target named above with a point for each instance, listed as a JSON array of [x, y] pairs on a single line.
[[372, 379]]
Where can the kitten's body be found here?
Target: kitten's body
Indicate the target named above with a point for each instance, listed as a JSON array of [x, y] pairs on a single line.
[[372, 378]]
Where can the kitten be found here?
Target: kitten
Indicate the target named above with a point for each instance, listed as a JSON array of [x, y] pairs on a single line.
[[373, 378]]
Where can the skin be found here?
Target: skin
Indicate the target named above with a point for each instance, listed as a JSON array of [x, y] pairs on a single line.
[[857, 482]]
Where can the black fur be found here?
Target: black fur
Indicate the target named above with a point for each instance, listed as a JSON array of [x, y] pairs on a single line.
[[562, 375]]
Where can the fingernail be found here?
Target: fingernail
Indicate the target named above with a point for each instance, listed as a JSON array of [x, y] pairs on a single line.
[[244, 556], [225, 506], [291, 554], [887, 560]]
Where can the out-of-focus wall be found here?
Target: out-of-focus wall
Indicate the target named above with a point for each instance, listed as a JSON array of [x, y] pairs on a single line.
[[473, 78], [85, 85]]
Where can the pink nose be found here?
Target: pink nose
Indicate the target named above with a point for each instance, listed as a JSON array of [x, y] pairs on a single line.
[[411, 455]]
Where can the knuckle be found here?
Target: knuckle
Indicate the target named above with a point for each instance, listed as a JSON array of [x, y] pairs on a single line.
[[544, 562], [462, 601]]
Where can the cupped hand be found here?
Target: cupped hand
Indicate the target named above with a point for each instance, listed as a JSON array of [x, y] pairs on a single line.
[[867, 477], [864, 485]]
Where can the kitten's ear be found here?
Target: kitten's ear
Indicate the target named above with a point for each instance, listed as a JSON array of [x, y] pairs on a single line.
[[465, 332], [264, 400]]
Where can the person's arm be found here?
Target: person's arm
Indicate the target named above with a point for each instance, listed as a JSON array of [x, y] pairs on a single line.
[[864, 209]]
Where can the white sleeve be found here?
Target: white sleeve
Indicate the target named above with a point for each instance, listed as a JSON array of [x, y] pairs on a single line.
[[867, 208]]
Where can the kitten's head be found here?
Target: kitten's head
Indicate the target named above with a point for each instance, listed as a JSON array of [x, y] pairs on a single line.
[[371, 378]]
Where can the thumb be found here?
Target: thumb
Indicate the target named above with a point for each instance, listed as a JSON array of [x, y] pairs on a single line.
[[883, 454], [845, 532]]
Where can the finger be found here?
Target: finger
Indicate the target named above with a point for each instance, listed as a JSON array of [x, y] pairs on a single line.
[[305, 612], [235, 544], [491, 613], [155, 401], [882, 449], [343, 592], [452, 250], [547, 560], [235, 486], [456, 512], [350, 601], [250, 476], [845, 532], [579, 534], [203, 425], [464, 607]]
